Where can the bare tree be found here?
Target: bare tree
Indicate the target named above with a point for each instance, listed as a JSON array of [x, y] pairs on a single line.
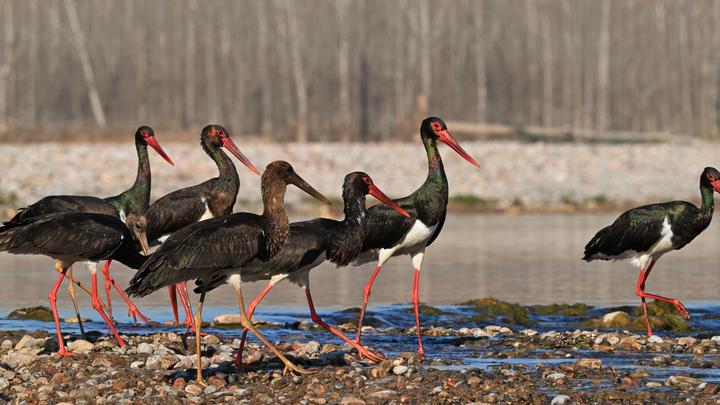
[[79, 41], [301, 132]]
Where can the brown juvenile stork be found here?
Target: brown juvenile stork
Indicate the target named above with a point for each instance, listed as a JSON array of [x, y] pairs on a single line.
[[220, 246], [212, 198]]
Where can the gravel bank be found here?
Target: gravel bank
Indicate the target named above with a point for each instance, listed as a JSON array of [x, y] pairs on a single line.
[[551, 367], [535, 175]]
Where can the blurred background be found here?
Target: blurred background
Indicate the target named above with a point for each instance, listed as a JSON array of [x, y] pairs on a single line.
[[578, 107]]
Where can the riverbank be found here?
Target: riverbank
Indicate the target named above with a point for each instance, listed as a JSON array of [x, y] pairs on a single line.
[[513, 176], [481, 351]]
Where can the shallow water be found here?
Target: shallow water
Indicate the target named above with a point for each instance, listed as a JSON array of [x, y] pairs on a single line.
[[528, 258]]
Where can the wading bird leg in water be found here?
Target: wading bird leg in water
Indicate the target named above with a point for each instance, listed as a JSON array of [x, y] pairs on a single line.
[[110, 281], [366, 293], [417, 259], [58, 268], [98, 307], [289, 366], [640, 292], [73, 297], [53, 300], [198, 322], [365, 353], [250, 311]]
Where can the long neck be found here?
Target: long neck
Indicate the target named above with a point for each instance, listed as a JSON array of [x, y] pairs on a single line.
[[224, 163], [136, 199], [436, 171], [276, 220], [708, 201], [347, 243]]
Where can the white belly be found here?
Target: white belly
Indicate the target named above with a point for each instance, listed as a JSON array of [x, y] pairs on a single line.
[[662, 246], [417, 236], [207, 214]]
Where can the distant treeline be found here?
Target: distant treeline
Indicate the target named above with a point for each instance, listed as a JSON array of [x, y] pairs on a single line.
[[361, 69]]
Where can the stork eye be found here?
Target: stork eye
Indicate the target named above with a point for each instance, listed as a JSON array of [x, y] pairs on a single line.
[[711, 177], [367, 180]]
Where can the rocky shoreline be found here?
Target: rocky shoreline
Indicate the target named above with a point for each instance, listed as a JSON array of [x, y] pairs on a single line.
[[557, 367], [513, 175]]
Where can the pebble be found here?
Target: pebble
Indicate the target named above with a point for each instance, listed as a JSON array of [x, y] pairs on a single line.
[[588, 363], [556, 376], [145, 348], [161, 362], [653, 384], [228, 319], [655, 339], [617, 319], [351, 401], [193, 389], [400, 369], [561, 400], [81, 346], [311, 347]]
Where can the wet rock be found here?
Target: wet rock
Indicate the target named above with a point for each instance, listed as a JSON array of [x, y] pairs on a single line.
[[211, 340], [588, 363], [662, 360], [515, 313], [424, 310], [682, 380], [613, 340], [400, 369], [561, 400], [137, 364], [6, 344], [617, 319], [145, 348], [80, 346], [234, 320], [38, 313], [686, 341], [653, 384], [74, 319], [383, 394], [701, 362], [556, 376], [655, 339], [561, 309], [711, 389]]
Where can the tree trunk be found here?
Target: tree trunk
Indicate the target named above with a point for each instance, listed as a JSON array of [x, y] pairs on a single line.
[[266, 116], [603, 67], [79, 41], [480, 72], [301, 130], [190, 56], [8, 42], [343, 72]]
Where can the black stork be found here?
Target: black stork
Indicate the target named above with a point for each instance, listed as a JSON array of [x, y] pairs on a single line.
[[646, 233], [391, 234], [217, 247], [312, 242], [69, 238], [131, 202], [212, 198]]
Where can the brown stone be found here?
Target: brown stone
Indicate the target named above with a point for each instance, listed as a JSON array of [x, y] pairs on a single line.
[[216, 381], [711, 389], [120, 385], [179, 383]]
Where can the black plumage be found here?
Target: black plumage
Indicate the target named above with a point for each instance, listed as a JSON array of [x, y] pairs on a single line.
[[214, 248], [646, 233], [72, 237], [390, 234], [212, 198]]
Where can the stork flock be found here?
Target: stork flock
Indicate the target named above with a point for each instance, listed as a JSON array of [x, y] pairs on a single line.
[[200, 239]]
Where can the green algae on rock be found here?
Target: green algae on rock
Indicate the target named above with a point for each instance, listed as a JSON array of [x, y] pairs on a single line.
[[425, 310], [37, 313], [561, 309], [516, 314]]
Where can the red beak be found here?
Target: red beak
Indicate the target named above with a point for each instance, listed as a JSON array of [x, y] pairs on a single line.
[[448, 139], [375, 192], [716, 185], [230, 146], [153, 143]]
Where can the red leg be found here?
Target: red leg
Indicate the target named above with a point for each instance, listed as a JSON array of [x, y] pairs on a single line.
[[366, 294], [416, 304], [110, 281], [173, 303], [641, 292], [316, 318], [53, 304], [639, 287], [106, 273], [185, 299], [251, 309], [98, 308]]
